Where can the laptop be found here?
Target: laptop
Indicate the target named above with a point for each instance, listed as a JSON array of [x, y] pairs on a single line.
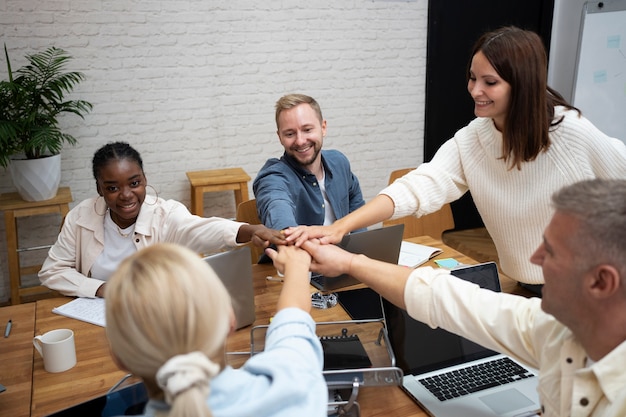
[[235, 271], [382, 244], [127, 401], [428, 356]]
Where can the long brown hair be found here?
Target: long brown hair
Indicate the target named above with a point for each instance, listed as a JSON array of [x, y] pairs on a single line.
[[519, 57]]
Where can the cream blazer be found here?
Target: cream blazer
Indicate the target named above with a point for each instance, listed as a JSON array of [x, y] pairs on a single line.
[[81, 240]]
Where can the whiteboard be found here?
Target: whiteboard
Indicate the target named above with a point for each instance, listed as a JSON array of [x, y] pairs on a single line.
[[600, 81], [564, 38]]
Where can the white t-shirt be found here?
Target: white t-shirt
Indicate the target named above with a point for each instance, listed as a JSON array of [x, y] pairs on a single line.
[[329, 214], [118, 245]]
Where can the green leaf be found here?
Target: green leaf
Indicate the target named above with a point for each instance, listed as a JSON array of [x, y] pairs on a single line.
[[31, 101]]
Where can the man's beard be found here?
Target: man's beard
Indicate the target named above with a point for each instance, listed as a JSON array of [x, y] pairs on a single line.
[[312, 159]]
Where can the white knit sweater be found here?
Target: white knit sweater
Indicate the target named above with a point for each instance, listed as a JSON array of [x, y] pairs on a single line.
[[515, 205]]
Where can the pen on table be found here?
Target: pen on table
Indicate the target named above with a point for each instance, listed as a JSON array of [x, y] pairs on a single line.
[[271, 278], [7, 330]]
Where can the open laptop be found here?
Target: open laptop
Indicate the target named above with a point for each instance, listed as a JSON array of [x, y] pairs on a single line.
[[235, 270], [425, 354], [382, 244], [127, 401]]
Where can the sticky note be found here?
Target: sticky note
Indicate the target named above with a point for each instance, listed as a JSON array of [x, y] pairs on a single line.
[[613, 41], [600, 77], [447, 263]]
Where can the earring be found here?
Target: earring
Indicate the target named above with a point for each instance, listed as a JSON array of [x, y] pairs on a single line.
[[156, 195], [95, 209]]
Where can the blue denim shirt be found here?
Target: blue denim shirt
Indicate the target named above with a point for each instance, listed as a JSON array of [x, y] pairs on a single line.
[[288, 195]]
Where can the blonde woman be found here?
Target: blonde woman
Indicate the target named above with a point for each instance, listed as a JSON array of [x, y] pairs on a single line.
[[168, 316]]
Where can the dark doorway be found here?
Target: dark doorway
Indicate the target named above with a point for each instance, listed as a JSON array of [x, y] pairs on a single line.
[[453, 27]]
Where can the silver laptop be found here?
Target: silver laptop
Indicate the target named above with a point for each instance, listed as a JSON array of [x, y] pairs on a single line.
[[235, 270], [382, 244], [442, 370]]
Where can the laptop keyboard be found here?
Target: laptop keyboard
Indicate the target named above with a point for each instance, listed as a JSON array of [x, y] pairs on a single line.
[[475, 378]]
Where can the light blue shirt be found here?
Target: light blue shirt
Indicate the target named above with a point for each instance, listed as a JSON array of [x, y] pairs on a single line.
[[284, 380]]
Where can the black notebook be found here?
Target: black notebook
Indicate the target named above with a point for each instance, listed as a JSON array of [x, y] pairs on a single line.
[[344, 352]]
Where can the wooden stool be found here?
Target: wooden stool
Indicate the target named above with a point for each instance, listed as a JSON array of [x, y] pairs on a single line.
[[14, 207], [214, 180]]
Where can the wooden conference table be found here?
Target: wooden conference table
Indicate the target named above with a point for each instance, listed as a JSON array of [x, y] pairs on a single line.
[[31, 391]]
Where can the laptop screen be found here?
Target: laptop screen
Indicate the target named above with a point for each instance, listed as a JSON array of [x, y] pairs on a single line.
[[234, 269], [419, 348], [382, 244]]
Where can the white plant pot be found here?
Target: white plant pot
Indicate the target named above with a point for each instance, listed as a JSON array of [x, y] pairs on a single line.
[[36, 179]]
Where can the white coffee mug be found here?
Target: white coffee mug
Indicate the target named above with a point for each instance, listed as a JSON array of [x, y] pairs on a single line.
[[57, 349]]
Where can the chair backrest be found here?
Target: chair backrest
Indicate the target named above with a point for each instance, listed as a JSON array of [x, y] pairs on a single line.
[[246, 212], [433, 224]]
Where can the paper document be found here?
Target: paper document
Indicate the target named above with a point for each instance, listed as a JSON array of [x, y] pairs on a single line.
[[414, 254], [90, 310]]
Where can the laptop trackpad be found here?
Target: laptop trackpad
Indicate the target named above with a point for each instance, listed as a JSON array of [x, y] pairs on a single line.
[[503, 402]]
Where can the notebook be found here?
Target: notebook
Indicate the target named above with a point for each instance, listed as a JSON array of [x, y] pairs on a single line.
[[235, 271], [414, 254], [382, 244], [90, 310], [427, 355]]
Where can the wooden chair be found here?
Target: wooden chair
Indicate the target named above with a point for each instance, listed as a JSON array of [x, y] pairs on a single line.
[[433, 224], [246, 212], [216, 180]]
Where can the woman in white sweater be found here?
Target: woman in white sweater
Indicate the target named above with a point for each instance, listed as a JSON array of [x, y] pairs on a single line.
[[526, 143]]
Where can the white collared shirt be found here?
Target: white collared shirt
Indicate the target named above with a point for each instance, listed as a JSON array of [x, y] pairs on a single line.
[[517, 326]]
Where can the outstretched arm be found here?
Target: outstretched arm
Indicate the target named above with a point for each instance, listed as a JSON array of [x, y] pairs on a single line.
[[378, 209], [386, 279], [294, 263], [260, 235], [275, 201]]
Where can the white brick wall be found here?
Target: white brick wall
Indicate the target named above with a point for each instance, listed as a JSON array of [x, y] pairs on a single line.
[[192, 84]]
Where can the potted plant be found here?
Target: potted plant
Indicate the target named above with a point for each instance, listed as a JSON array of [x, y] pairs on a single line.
[[30, 102]]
